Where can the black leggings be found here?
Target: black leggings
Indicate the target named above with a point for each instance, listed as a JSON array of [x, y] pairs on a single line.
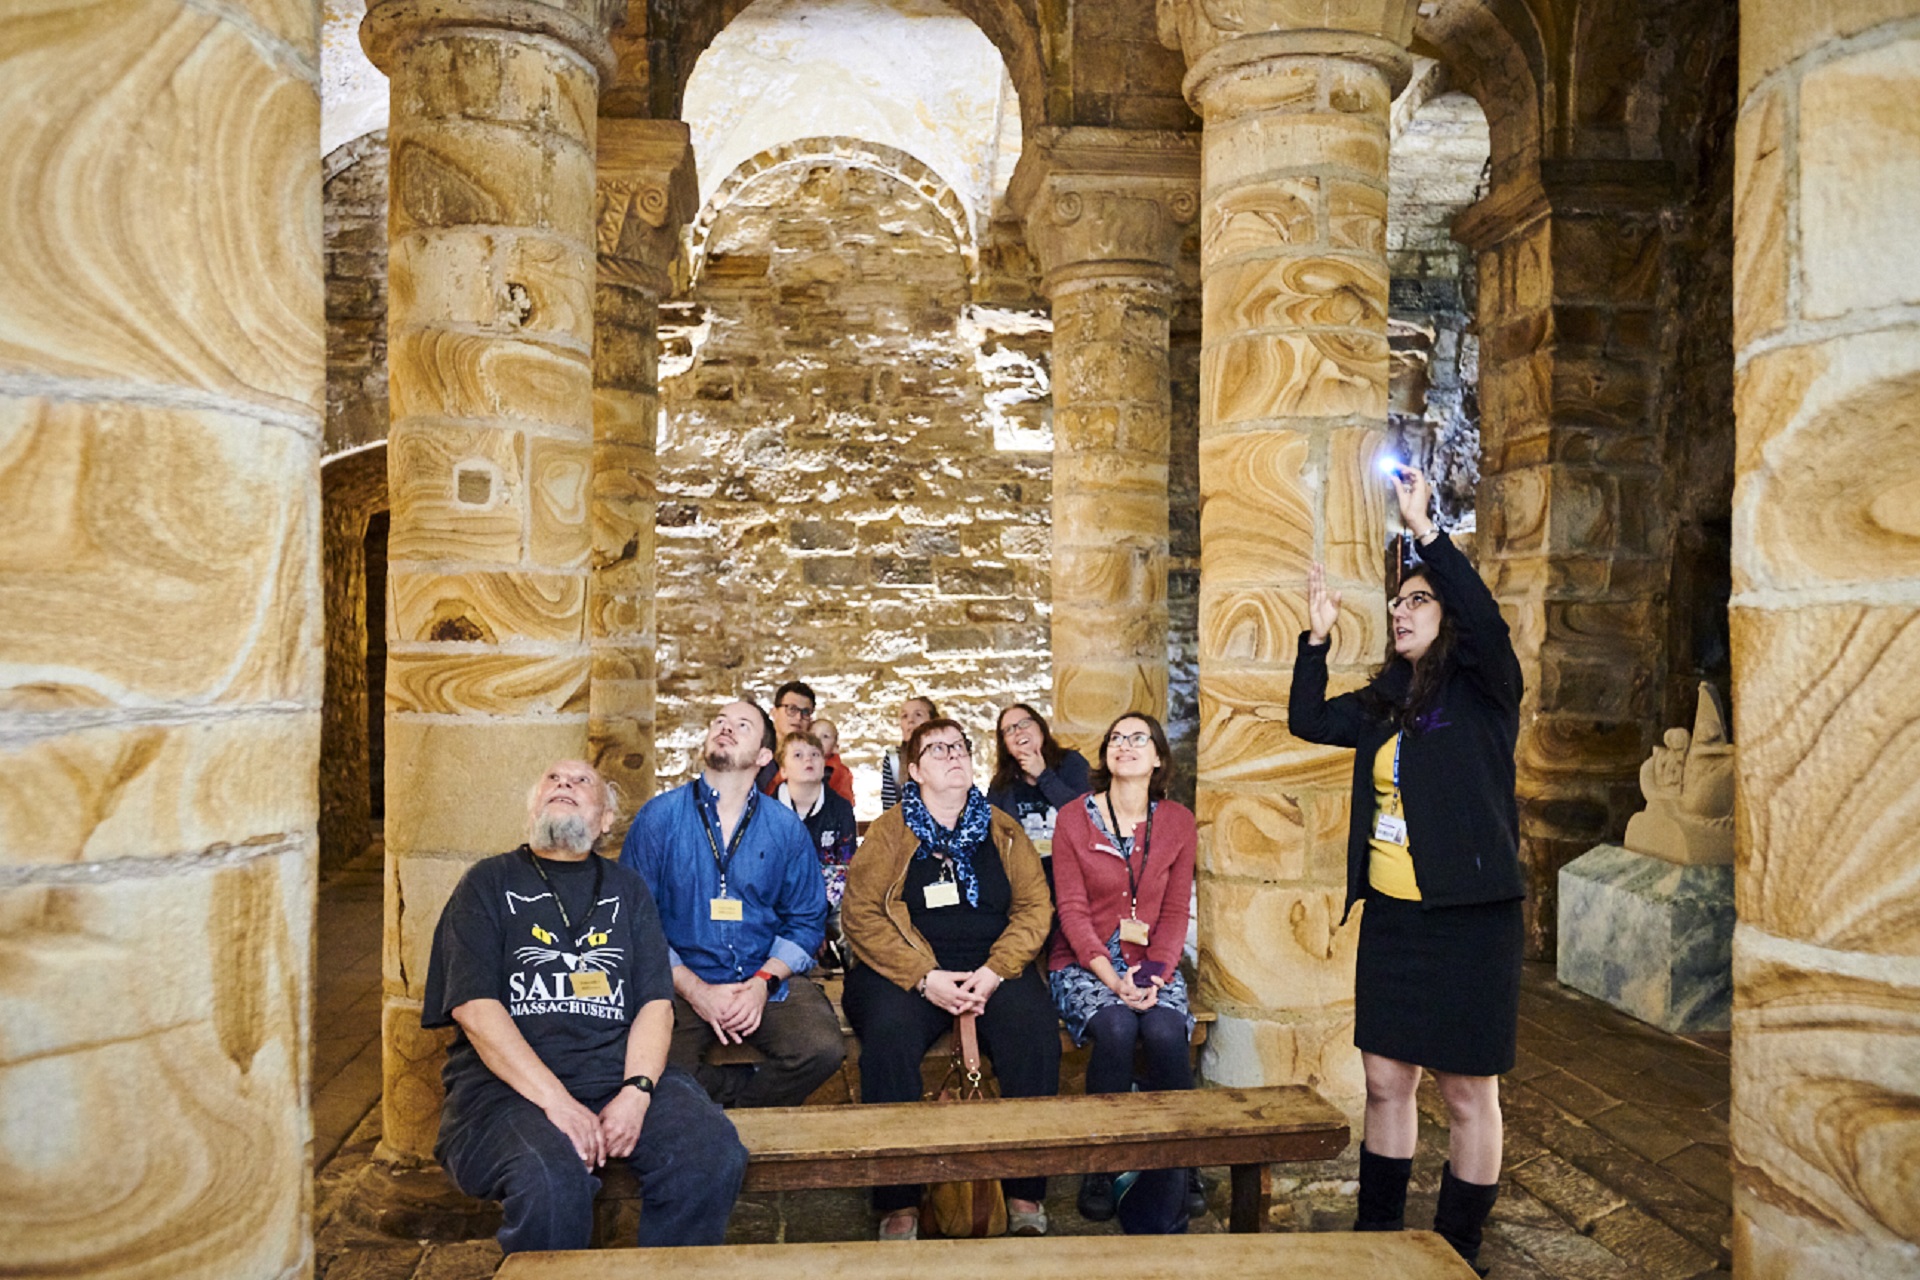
[[1162, 1033], [1019, 1034]]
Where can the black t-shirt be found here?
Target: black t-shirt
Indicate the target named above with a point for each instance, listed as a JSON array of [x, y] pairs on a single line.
[[961, 936], [502, 937]]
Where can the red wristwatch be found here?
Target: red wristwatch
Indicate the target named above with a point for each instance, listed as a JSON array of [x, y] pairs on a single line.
[[768, 978]]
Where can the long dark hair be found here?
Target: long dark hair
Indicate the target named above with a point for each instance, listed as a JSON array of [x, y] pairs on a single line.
[[1427, 676], [1006, 769], [1102, 777]]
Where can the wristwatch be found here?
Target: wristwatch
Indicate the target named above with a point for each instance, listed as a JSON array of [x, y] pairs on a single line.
[[772, 982], [643, 1083]]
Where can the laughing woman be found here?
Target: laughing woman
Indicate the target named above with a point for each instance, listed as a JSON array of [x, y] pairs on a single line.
[[1433, 851]]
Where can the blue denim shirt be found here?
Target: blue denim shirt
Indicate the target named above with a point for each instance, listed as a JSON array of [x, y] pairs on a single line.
[[775, 875]]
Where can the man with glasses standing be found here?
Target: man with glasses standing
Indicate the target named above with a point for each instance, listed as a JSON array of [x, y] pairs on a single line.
[[743, 909]]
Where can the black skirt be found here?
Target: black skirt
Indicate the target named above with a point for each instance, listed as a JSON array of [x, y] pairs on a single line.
[[1439, 988]]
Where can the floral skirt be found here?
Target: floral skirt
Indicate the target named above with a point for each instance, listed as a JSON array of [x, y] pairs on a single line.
[[1078, 994]]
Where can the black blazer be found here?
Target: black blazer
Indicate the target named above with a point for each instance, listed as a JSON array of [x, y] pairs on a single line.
[[1456, 768]]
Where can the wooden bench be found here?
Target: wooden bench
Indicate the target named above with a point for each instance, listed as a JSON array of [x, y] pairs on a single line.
[[1402, 1255], [795, 1148]]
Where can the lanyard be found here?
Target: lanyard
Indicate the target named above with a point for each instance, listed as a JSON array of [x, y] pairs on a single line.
[[599, 874], [1144, 844], [733, 845]]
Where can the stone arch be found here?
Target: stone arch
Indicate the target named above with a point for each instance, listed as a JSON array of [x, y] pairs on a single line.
[[683, 34], [848, 152], [1507, 54]]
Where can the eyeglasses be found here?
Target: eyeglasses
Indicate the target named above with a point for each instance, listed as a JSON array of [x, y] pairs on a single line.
[[945, 750], [1012, 727], [1411, 601], [1139, 739], [795, 709]]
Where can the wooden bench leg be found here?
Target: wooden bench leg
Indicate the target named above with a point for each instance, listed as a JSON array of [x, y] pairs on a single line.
[[1252, 1191]]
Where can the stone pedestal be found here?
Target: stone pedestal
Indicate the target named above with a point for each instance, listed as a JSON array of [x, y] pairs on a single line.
[[1650, 937]]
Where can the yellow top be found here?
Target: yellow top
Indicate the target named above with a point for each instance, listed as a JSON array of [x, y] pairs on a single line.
[[1389, 865]]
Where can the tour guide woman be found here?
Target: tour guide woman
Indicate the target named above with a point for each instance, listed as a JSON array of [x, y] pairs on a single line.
[[1123, 876], [945, 909], [1434, 851]]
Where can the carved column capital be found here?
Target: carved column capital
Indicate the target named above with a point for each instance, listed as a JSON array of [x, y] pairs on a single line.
[[644, 192], [1099, 203], [583, 26], [1224, 39]]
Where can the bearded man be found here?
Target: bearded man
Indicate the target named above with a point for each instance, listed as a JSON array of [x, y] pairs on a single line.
[[550, 963], [744, 910]]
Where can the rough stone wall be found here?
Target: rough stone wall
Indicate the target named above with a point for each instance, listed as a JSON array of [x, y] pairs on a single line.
[[1826, 641], [1695, 399], [832, 501], [354, 223], [1183, 544], [352, 489], [161, 408]]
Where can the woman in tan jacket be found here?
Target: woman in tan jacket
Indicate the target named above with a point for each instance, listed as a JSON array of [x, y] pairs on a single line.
[[946, 909]]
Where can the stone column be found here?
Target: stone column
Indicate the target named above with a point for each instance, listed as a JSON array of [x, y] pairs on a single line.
[[1826, 642], [1573, 526], [1105, 213], [162, 371], [1293, 408], [490, 354], [646, 192]]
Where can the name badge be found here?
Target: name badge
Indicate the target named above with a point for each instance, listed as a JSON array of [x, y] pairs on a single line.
[[1391, 829], [1134, 931], [943, 893], [725, 908], [592, 984]]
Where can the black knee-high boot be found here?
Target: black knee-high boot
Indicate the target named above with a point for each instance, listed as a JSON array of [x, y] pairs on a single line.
[[1383, 1193], [1462, 1210]]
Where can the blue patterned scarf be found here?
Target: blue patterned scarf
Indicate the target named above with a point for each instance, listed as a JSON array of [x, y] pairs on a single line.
[[937, 841]]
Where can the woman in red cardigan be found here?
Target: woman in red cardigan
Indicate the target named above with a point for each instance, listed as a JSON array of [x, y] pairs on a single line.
[[1123, 882]]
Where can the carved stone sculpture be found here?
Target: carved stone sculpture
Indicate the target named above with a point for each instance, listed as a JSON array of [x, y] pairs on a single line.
[[1688, 784]]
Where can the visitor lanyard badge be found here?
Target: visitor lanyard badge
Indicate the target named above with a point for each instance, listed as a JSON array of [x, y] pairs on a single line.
[[1390, 828], [1134, 930], [591, 984], [725, 908], [944, 892]]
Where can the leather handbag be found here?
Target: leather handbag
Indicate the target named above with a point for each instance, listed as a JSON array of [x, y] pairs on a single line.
[[964, 1209]]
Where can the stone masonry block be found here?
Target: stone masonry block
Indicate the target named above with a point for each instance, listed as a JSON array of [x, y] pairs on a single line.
[[1253, 835], [1295, 292], [1825, 711], [157, 790], [1318, 375], [500, 684], [1760, 203], [1254, 146], [204, 1169], [1243, 735], [1257, 513], [1275, 947], [489, 608], [436, 373], [456, 493], [473, 173], [141, 549], [237, 313], [1826, 1076], [1289, 1047], [1260, 217], [487, 764]]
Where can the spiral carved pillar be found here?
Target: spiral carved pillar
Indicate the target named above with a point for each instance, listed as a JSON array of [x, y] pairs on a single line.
[[490, 342], [1106, 211], [1293, 406], [646, 192]]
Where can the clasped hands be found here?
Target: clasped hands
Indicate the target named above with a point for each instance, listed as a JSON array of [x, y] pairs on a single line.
[[610, 1135], [1133, 995], [960, 993], [732, 1009]]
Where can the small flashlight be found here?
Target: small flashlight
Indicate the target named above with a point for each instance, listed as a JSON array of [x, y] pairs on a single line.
[[1391, 467]]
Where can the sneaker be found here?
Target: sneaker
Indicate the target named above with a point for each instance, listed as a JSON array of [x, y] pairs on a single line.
[[1196, 1195], [1022, 1223], [1096, 1197]]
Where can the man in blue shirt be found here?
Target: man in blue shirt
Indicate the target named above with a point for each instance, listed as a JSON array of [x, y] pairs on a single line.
[[741, 901]]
